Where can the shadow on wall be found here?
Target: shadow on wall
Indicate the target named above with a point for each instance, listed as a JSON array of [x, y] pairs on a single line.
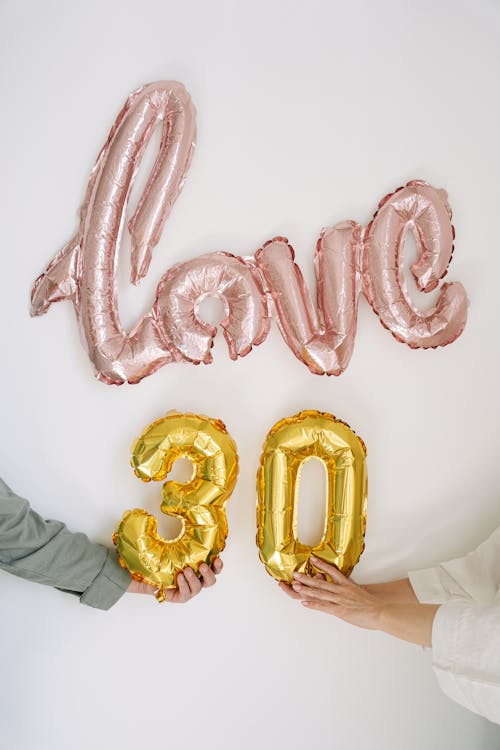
[[465, 521], [471, 520], [491, 737]]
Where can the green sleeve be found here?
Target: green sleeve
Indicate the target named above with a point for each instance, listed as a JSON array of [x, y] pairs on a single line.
[[46, 552]]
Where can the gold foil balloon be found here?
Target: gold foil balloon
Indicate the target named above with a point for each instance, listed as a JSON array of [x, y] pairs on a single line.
[[290, 443], [199, 503]]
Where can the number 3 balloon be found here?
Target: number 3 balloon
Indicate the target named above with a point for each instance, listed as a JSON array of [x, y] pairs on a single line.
[[199, 504]]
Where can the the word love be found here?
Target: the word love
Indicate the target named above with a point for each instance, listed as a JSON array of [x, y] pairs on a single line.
[[349, 259]]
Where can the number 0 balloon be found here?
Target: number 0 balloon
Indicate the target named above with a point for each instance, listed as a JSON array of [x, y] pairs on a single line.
[[288, 445]]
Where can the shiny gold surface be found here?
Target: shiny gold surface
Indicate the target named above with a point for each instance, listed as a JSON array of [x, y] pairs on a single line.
[[290, 443], [199, 503]]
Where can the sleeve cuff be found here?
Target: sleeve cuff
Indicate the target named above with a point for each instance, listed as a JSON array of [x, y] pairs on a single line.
[[446, 652], [108, 586], [465, 655], [427, 586], [445, 629]]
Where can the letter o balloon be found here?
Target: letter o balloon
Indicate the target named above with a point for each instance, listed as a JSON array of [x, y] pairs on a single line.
[[288, 445]]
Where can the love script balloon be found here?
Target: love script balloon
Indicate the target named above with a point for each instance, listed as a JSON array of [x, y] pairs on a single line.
[[349, 260]]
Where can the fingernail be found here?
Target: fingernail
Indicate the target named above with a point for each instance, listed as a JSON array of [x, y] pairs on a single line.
[[297, 576], [296, 586]]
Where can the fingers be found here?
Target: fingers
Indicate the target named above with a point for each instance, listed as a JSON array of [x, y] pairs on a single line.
[[207, 575], [315, 582], [183, 590], [189, 584], [315, 591], [193, 581], [330, 570], [287, 589], [181, 594], [309, 593], [314, 587], [217, 565]]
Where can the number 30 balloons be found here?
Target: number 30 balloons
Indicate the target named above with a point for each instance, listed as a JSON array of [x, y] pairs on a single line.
[[200, 503]]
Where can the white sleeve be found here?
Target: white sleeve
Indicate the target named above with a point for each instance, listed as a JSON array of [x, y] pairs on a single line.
[[475, 577], [466, 654]]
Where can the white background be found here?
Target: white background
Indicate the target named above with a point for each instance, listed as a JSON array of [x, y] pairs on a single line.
[[308, 114]]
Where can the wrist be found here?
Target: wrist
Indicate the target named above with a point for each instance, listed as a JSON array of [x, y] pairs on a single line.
[[380, 615], [139, 587], [408, 621]]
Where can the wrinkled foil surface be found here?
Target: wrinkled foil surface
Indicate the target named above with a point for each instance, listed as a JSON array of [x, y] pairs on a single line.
[[199, 503], [290, 443]]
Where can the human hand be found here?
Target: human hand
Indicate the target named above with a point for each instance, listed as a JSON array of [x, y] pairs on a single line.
[[340, 597], [188, 583]]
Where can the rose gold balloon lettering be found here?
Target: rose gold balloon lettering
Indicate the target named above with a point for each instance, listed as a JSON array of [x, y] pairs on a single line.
[[85, 270], [348, 260], [235, 282], [422, 209], [323, 341]]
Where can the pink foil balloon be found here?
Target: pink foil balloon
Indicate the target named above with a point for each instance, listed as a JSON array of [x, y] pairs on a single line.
[[347, 260], [420, 208], [85, 270], [324, 340], [235, 282]]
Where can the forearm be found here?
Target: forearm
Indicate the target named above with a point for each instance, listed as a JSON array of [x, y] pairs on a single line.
[[408, 621], [363, 607], [399, 591], [47, 552]]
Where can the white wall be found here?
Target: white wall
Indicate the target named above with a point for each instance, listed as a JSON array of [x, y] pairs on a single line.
[[308, 113]]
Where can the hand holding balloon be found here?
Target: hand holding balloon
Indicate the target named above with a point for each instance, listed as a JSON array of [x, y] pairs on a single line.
[[403, 618], [199, 504], [340, 596], [188, 583]]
